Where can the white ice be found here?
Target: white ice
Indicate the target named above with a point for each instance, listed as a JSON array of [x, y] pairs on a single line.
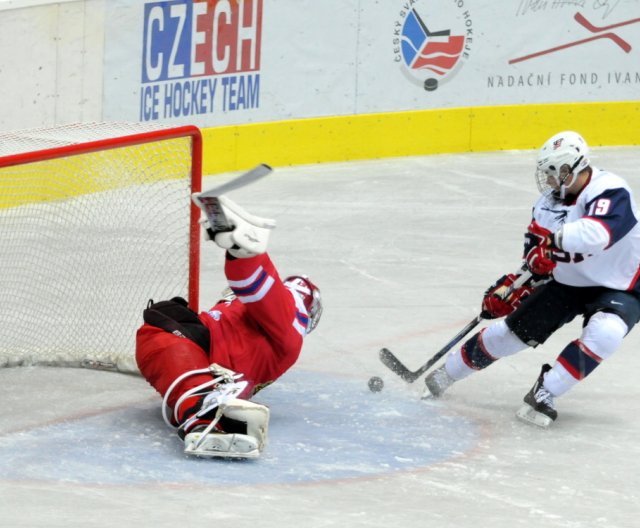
[[402, 250]]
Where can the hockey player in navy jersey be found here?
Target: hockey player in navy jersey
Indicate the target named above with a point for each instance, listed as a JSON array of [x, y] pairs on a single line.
[[583, 249], [207, 365]]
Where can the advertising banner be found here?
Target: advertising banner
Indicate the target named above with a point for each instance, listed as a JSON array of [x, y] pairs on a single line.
[[224, 62]]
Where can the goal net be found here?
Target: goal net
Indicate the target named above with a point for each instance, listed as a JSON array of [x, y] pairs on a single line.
[[95, 220]]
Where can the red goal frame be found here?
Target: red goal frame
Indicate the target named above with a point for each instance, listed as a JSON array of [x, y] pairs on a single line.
[[136, 139]]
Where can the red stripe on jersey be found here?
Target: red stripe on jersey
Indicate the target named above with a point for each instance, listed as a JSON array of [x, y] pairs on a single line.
[[634, 281]]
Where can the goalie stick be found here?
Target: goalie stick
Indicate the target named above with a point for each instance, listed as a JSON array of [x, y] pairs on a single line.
[[240, 181], [224, 216], [390, 360]]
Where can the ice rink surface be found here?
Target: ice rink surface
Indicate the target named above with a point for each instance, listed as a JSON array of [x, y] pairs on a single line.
[[402, 250]]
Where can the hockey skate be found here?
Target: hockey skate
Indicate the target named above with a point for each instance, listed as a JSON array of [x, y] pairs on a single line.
[[436, 383], [538, 408]]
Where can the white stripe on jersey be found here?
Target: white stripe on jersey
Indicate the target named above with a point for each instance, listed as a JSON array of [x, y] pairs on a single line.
[[258, 295], [299, 328], [254, 288], [247, 282]]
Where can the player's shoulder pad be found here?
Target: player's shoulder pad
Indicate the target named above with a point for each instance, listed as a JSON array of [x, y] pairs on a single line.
[[602, 181]]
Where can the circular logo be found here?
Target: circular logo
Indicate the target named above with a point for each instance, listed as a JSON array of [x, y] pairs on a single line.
[[432, 42]]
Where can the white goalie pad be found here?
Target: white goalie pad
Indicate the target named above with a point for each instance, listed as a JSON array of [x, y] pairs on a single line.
[[234, 228], [233, 445], [529, 415]]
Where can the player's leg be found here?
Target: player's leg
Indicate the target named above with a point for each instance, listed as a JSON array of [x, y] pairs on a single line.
[[219, 424], [236, 429], [548, 308], [162, 357], [477, 353], [199, 399], [233, 228], [284, 311], [609, 317]]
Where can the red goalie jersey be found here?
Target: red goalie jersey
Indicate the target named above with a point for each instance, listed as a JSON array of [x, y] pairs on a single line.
[[259, 333]]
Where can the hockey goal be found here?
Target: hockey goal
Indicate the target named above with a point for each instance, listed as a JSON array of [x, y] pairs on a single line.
[[95, 220]]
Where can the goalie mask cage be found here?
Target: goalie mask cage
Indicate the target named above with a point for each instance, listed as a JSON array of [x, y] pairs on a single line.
[[95, 220]]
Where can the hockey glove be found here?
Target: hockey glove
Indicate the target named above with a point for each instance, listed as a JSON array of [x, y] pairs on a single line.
[[495, 304], [232, 228], [539, 258]]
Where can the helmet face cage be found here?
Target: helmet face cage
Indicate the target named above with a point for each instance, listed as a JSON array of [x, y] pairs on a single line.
[[316, 310], [311, 298], [560, 159], [551, 181]]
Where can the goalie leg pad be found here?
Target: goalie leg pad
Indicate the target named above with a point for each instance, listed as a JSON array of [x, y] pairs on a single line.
[[250, 233], [254, 415], [245, 426], [232, 228]]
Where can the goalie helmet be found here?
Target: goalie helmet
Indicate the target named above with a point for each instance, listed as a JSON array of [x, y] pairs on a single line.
[[560, 160], [309, 295]]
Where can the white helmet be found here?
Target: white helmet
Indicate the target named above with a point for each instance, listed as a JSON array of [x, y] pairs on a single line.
[[560, 160]]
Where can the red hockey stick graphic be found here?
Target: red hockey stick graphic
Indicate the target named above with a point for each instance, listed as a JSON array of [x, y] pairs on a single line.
[[623, 44], [595, 29]]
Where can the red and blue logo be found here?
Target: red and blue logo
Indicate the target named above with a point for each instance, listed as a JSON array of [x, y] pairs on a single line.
[[200, 57], [429, 46]]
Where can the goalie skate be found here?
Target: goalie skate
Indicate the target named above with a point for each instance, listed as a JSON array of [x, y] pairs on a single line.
[[221, 445]]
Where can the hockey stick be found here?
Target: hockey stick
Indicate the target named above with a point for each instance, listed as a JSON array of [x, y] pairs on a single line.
[[390, 360], [244, 179], [580, 18]]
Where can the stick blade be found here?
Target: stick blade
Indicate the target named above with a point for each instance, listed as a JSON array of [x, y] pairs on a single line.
[[247, 178], [389, 360]]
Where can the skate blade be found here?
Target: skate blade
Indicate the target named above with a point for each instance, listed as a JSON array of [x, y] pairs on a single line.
[[216, 445], [429, 396], [529, 415]]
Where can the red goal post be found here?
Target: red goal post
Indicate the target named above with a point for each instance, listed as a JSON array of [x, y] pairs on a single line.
[[95, 220]]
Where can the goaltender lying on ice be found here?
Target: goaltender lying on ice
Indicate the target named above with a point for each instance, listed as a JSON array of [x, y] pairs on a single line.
[[207, 365]]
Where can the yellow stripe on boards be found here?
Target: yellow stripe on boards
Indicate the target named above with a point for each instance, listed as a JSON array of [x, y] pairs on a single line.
[[416, 133]]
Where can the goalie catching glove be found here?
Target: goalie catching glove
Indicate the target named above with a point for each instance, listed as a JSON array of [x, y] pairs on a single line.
[[232, 228], [498, 302]]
